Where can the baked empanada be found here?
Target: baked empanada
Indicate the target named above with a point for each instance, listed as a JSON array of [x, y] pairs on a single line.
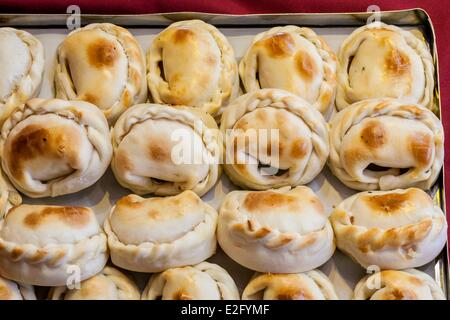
[[294, 59], [9, 290], [22, 66], [165, 150], [191, 63], [273, 138], [409, 284], [151, 235], [311, 285], [204, 281], [391, 229], [51, 245], [380, 60], [386, 144], [55, 147], [278, 231], [103, 64], [109, 284]]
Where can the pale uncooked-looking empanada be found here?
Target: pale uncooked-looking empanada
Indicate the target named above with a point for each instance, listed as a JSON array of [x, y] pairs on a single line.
[[103, 64], [273, 138], [204, 281], [391, 229], [55, 147], [294, 59], [165, 150], [51, 245], [311, 285], [380, 60], [386, 144], [109, 284], [191, 63], [151, 235], [22, 66], [409, 284], [278, 231], [9, 290]]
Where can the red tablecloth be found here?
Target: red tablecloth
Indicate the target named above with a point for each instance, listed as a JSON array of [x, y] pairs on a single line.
[[439, 11]]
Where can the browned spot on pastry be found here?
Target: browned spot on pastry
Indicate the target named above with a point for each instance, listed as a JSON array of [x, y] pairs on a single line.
[[388, 203], [89, 97], [261, 114], [352, 156], [122, 161], [397, 64], [416, 111], [182, 34], [5, 293], [279, 45], [127, 99], [326, 97], [181, 295], [269, 201], [76, 112], [34, 141], [281, 148], [72, 216], [250, 225], [305, 65], [380, 106], [102, 53], [241, 167], [58, 257], [261, 233], [421, 145], [154, 213], [39, 255], [158, 152], [299, 148], [399, 294], [373, 134], [292, 293], [16, 252], [283, 240], [129, 201]]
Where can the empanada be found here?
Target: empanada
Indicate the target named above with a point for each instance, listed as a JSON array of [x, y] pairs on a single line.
[[380, 60], [273, 138], [204, 281], [151, 235], [109, 284], [55, 147], [386, 144], [294, 59], [191, 63], [103, 64], [409, 284], [311, 285], [278, 231], [22, 66], [51, 245], [391, 229], [165, 150]]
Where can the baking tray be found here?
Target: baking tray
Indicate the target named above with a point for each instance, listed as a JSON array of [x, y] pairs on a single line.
[[240, 30]]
